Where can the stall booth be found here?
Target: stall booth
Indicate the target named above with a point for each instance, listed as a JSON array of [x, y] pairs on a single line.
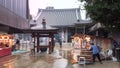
[[6, 43], [81, 47]]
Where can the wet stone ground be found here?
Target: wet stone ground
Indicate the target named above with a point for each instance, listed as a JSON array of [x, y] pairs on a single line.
[[60, 58], [39, 60]]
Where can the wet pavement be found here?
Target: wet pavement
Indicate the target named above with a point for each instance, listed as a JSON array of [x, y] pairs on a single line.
[[60, 58]]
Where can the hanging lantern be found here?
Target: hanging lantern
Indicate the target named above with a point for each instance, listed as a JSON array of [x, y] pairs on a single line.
[[87, 38]]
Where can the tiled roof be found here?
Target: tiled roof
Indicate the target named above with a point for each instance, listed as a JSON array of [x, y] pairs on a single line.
[[59, 17], [40, 27]]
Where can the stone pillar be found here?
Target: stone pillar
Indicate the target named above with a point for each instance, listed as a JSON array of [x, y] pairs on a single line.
[[84, 29], [66, 35], [97, 33]]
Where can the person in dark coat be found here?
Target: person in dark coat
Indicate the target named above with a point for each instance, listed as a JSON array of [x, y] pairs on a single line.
[[114, 46]]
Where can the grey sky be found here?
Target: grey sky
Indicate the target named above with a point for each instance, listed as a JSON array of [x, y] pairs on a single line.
[[57, 4]]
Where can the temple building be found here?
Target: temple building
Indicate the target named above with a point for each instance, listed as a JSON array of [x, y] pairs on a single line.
[[68, 21]]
